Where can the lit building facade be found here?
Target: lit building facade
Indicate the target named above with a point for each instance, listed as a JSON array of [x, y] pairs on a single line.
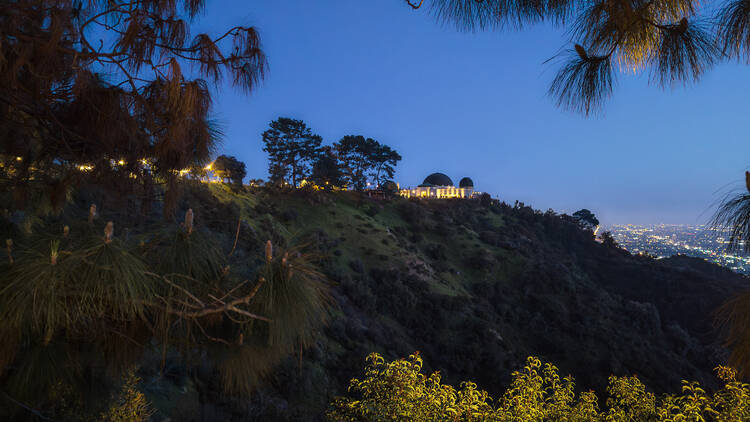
[[440, 186]]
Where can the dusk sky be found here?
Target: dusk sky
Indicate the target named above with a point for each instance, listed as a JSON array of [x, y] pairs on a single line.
[[475, 104]]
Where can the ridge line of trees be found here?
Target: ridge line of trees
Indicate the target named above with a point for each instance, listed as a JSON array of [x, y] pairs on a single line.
[[295, 155]]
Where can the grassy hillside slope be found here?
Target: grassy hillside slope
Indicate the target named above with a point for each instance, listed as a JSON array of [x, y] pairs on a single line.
[[476, 289]]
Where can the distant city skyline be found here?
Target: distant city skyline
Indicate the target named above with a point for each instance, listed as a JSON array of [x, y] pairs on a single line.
[[665, 240], [475, 105]]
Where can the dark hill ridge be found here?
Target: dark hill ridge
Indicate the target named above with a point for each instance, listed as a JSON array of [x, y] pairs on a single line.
[[478, 288]]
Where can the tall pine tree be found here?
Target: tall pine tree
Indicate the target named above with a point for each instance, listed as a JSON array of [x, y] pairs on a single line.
[[355, 153], [384, 160], [362, 157], [290, 144]]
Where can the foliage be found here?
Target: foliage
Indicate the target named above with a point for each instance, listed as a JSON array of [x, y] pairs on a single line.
[[326, 170], [72, 300], [586, 218], [354, 153], [398, 391], [485, 199], [608, 240], [292, 148], [384, 161], [734, 215], [227, 167], [390, 188], [130, 405], [63, 120], [365, 159]]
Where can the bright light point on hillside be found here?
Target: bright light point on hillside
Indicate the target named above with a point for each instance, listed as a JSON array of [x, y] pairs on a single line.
[[19, 158]]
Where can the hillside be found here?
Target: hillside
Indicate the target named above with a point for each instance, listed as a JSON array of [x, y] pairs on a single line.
[[476, 289]]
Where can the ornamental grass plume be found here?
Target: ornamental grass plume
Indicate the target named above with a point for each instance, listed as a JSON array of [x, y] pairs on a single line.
[[54, 250], [109, 230], [92, 213], [189, 221], [9, 248], [197, 255], [269, 251]]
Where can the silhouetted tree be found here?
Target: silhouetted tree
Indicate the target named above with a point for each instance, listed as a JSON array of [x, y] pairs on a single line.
[[384, 161], [277, 174], [292, 145], [98, 85], [362, 157], [390, 188], [230, 168], [485, 199], [586, 218], [608, 240], [326, 170], [354, 153]]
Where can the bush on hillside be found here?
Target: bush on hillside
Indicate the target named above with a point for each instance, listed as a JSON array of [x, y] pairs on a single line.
[[399, 391]]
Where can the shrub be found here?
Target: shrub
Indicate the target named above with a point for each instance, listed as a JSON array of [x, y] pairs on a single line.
[[130, 405], [398, 391], [436, 251]]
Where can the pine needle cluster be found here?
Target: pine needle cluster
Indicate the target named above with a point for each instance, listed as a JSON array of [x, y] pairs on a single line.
[[81, 296], [114, 91]]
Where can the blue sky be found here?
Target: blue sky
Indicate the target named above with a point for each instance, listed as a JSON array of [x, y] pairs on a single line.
[[475, 104]]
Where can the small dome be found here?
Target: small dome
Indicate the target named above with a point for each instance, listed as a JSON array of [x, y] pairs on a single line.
[[438, 179], [466, 183]]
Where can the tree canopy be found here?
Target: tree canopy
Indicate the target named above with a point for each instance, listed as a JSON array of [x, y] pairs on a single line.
[[326, 170], [384, 161], [292, 147], [113, 89], [228, 167], [586, 218], [365, 159]]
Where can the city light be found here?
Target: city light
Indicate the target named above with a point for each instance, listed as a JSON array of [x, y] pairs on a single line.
[[665, 240]]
